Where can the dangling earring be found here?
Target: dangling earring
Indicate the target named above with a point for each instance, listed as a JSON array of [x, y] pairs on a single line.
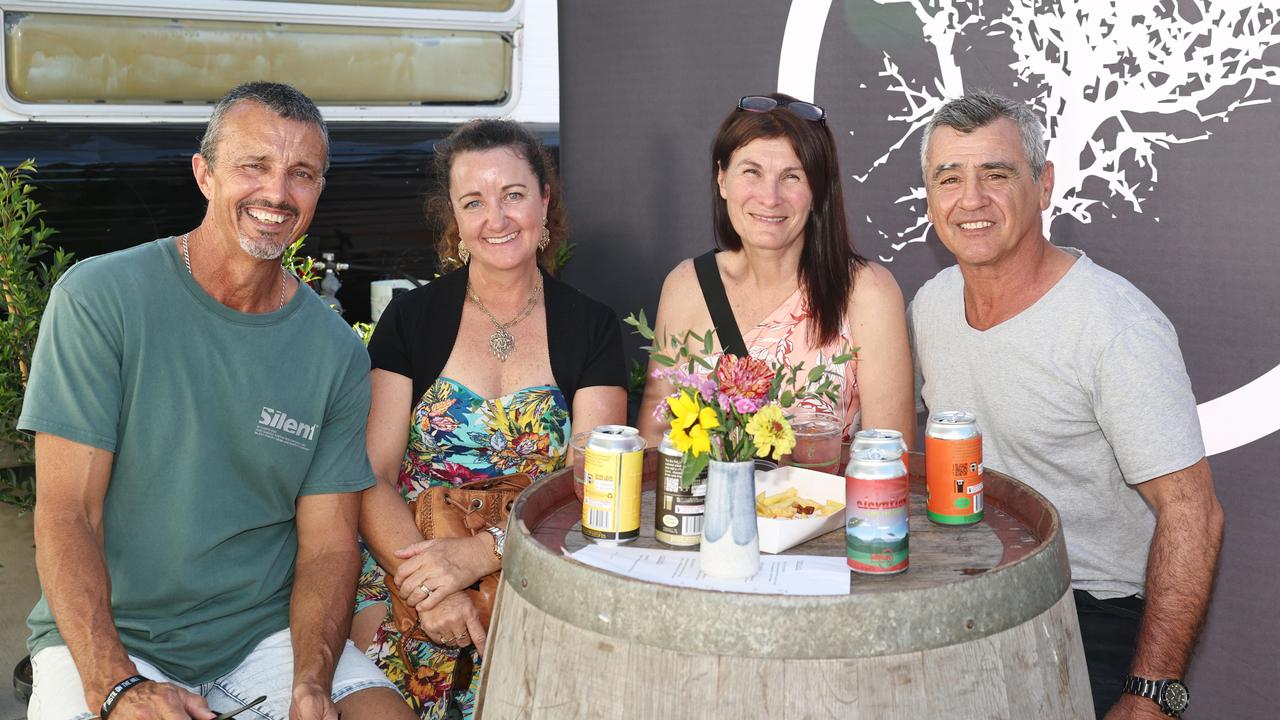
[[463, 253], [546, 237]]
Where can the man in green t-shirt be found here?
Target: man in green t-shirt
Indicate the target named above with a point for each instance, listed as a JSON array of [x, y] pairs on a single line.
[[199, 418]]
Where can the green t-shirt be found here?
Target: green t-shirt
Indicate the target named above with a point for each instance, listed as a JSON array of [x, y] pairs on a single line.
[[219, 421]]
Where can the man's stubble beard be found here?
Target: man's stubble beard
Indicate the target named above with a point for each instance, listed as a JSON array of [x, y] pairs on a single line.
[[262, 249]]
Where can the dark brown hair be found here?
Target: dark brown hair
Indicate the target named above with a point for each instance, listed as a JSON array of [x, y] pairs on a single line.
[[480, 135], [827, 261]]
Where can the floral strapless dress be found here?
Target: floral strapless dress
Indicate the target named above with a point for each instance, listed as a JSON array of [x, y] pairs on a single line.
[[456, 436]]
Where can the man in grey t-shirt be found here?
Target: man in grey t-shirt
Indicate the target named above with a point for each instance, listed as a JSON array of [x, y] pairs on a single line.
[[1079, 385]]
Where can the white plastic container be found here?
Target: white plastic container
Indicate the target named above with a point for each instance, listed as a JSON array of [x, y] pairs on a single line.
[[776, 534], [381, 292]]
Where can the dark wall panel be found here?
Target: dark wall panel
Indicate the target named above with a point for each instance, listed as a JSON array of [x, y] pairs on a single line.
[[1180, 101]]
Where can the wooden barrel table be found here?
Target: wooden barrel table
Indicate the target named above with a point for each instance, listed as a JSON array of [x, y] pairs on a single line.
[[981, 626]]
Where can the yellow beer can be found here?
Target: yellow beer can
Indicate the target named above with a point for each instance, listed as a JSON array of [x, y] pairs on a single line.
[[612, 474]]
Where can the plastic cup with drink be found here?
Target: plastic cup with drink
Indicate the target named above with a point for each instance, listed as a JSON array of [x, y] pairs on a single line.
[[817, 441], [578, 446]]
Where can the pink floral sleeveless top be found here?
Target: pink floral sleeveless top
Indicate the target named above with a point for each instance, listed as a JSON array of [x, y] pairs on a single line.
[[783, 337]]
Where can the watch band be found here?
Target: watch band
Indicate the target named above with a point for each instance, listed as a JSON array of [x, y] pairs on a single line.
[[114, 696], [1169, 694], [499, 540], [1141, 687]]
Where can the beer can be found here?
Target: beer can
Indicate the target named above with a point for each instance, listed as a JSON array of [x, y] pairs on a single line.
[[678, 511], [953, 468], [882, 438], [877, 503], [612, 472]]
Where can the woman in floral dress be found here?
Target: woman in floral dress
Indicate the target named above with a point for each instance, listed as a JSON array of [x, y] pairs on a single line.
[[475, 375]]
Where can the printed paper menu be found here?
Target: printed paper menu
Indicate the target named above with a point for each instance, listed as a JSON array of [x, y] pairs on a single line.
[[778, 575]]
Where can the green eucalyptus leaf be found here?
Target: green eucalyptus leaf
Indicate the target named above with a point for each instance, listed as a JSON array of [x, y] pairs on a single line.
[[693, 467]]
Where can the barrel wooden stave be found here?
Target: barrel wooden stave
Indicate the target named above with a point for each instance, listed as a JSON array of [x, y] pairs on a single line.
[[1027, 672]]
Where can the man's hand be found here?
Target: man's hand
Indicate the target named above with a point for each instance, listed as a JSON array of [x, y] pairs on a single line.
[[453, 621], [160, 701], [1132, 707], [443, 566], [311, 702]]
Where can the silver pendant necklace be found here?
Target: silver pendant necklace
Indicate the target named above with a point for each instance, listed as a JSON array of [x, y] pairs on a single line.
[[501, 342], [186, 260]]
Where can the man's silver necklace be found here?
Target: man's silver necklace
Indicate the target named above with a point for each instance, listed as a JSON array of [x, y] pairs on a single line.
[[186, 260], [501, 342]]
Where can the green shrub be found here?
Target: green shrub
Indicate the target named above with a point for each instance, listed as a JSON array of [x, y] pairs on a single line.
[[26, 277]]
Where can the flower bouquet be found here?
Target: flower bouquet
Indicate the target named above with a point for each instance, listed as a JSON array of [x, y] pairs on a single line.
[[728, 408], [725, 412]]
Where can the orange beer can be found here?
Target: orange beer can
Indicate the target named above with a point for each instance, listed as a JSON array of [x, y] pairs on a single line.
[[953, 468]]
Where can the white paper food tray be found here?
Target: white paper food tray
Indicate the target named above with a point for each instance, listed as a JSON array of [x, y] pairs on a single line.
[[777, 535]]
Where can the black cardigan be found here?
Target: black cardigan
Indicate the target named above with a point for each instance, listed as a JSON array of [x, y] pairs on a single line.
[[416, 333]]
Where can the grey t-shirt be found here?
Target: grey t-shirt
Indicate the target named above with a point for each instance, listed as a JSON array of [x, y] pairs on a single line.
[[219, 421], [1081, 396]]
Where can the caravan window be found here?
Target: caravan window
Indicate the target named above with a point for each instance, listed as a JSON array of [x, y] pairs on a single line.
[[486, 5], [65, 58]]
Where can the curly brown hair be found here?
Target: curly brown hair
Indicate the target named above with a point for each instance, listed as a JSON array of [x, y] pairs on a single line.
[[479, 135]]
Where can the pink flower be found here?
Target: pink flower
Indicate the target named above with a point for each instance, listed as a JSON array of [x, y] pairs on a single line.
[[744, 406], [744, 382], [700, 383], [662, 412]]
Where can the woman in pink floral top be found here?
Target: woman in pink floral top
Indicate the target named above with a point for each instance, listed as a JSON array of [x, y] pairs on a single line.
[[795, 286]]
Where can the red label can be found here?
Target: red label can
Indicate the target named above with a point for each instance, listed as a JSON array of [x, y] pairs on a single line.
[[876, 509]]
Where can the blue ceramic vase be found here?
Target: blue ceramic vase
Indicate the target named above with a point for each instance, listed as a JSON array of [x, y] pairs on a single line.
[[730, 542]]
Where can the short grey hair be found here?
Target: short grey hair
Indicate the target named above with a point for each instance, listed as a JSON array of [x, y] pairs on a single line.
[[285, 101], [979, 109]]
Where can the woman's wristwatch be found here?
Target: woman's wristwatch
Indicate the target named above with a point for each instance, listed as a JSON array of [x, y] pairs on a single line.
[[499, 539]]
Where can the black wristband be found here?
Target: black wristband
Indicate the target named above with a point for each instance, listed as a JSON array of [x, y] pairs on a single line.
[[120, 689]]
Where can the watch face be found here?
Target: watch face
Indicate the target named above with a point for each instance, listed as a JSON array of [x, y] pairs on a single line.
[[1174, 697]]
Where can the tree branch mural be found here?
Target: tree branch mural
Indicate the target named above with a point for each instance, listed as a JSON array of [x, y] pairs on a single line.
[[1096, 68]]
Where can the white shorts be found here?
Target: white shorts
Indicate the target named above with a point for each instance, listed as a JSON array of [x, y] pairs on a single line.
[[268, 670]]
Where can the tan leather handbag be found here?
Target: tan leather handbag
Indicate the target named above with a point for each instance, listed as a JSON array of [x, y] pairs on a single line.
[[444, 511]]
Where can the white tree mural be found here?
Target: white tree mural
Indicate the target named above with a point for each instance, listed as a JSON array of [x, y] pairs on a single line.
[[1096, 67]]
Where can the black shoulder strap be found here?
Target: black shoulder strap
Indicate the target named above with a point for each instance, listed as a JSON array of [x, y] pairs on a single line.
[[718, 304]]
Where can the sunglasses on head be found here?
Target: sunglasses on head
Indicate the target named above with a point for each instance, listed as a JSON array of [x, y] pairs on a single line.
[[799, 108]]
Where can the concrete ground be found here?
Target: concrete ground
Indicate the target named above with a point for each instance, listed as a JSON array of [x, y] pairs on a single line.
[[19, 590]]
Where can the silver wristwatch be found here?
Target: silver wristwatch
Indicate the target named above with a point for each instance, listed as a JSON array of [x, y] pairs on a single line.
[[1170, 695], [499, 539]]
